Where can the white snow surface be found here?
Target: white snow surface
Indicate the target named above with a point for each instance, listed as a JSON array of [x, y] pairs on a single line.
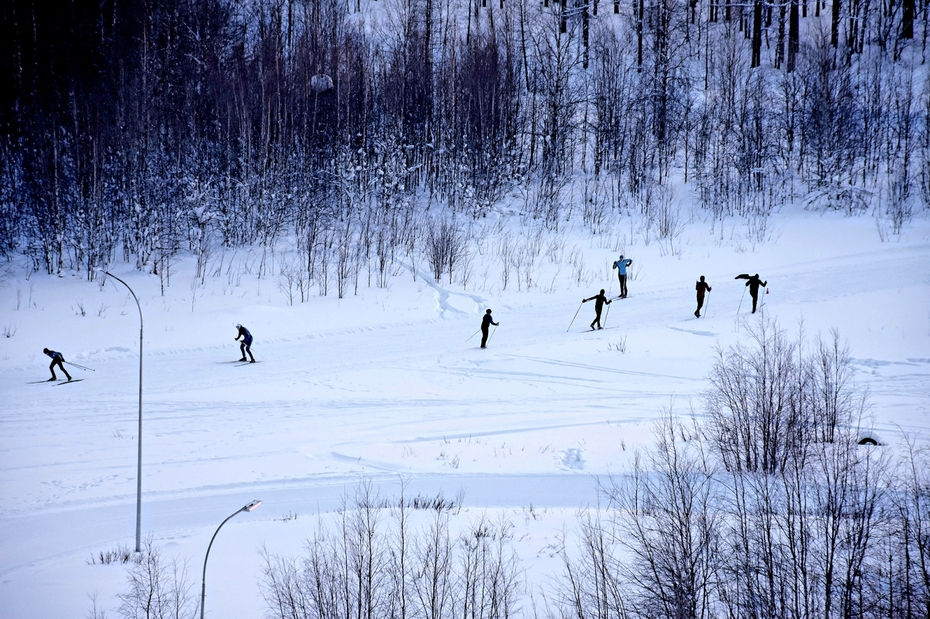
[[386, 385]]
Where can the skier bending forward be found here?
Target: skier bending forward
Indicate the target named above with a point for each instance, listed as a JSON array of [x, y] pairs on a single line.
[[246, 346], [57, 359]]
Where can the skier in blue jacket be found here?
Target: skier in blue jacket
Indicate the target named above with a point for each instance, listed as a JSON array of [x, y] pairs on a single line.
[[621, 266], [246, 346], [57, 359]]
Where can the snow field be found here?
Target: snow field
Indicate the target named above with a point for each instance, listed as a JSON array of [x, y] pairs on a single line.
[[386, 385]]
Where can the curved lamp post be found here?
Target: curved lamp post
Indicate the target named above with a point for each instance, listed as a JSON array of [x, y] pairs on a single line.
[[139, 463], [203, 587]]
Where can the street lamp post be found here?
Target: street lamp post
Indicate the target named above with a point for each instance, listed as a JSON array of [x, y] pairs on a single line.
[[203, 586], [139, 441]]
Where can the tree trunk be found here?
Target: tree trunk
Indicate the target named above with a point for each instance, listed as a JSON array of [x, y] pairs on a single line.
[[907, 19], [835, 24], [793, 37]]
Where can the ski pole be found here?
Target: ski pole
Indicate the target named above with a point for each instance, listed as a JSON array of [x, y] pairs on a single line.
[[80, 366], [492, 333], [607, 315], [574, 317], [707, 305], [473, 334], [741, 301]]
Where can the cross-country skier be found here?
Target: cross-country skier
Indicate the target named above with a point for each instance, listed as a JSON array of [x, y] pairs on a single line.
[[57, 359], [246, 346], [486, 322], [599, 300], [621, 266], [754, 282], [701, 288]]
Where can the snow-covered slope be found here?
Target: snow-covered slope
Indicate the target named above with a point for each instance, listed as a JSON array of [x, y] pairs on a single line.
[[390, 384]]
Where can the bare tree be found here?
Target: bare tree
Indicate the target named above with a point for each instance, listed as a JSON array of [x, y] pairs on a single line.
[[446, 247], [669, 521], [158, 589]]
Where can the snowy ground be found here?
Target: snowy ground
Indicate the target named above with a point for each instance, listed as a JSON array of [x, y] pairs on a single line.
[[386, 386]]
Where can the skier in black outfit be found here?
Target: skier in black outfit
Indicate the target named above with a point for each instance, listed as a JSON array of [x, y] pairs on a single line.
[[701, 288], [486, 322], [599, 300], [246, 346], [754, 282], [57, 359]]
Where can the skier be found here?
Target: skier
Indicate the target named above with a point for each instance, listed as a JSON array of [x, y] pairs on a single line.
[[621, 266], [754, 282], [486, 322], [599, 300], [246, 346], [701, 288], [57, 359]]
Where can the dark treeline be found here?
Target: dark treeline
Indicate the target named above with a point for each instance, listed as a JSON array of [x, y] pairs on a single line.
[[140, 129]]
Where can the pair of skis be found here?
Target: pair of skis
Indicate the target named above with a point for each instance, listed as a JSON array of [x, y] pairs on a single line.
[[240, 362], [70, 380]]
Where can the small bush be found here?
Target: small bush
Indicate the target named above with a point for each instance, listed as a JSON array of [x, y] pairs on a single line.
[[120, 554]]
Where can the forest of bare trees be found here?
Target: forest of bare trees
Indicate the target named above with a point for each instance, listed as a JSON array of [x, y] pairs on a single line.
[[138, 131]]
